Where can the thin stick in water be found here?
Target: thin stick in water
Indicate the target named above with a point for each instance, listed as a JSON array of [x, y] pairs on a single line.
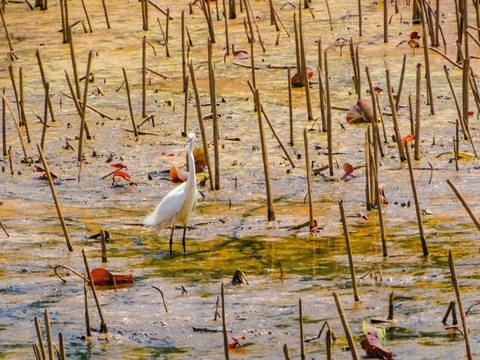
[[464, 203], [346, 328], [349, 250], [309, 178], [398, 137], [135, 131], [87, 314], [418, 112], [302, 338], [224, 326]]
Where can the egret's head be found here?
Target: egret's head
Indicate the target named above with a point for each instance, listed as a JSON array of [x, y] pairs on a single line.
[[191, 137]]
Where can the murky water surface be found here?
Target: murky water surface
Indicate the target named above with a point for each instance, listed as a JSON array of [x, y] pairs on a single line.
[[231, 229]]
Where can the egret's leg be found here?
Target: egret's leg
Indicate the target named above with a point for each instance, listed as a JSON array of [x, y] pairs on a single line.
[[171, 240], [183, 240]]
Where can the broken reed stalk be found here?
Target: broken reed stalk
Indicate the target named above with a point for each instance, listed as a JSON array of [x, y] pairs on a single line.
[[380, 217], [466, 63], [10, 160], [285, 151], [44, 81], [302, 339], [349, 250], [217, 314], [248, 8], [48, 331], [15, 120], [417, 203], [55, 198], [202, 125], [398, 137], [127, 86], [359, 18], [328, 344], [15, 91], [297, 50], [354, 67], [4, 125], [167, 25], [303, 59], [373, 149], [427, 63], [61, 344], [23, 117], [466, 330], [205, 6], [286, 352], [40, 338], [45, 117], [88, 328], [418, 111], [329, 115], [385, 138], [252, 41], [163, 297], [64, 21], [357, 66], [84, 107], [213, 104], [281, 270], [224, 326], [103, 238], [390, 306], [457, 105], [144, 77], [385, 22], [464, 203], [185, 113], [103, 324], [167, 52], [329, 15], [309, 178], [225, 17], [375, 128], [368, 172], [400, 83], [290, 106], [321, 90], [270, 211], [77, 104], [232, 10], [450, 309], [86, 15], [346, 328], [10, 45], [106, 13], [410, 111]]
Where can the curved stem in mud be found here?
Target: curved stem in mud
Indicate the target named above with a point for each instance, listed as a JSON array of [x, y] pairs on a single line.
[[68, 268]]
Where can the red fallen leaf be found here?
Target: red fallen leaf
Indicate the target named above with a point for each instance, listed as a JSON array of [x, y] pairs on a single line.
[[100, 275], [294, 78], [348, 168], [119, 165], [414, 35], [200, 159], [407, 138], [317, 228], [121, 174], [362, 215], [362, 111], [377, 89], [241, 54], [374, 348], [235, 344], [178, 175], [1, 202], [42, 170], [470, 113]]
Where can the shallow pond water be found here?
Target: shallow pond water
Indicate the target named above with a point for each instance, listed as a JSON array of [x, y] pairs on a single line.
[[230, 229]]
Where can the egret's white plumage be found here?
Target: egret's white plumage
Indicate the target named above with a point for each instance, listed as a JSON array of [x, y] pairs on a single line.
[[177, 205]]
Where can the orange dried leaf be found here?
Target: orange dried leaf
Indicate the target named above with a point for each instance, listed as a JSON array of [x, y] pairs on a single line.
[[121, 174], [119, 165], [100, 275], [348, 168], [235, 344], [407, 138], [241, 54], [374, 348], [294, 78], [178, 174]]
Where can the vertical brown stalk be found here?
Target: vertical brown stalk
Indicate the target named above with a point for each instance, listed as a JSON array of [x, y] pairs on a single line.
[[248, 8], [466, 330], [23, 116], [135, 131], [385, 138], [303, 58], [367, 170], [360, 18], [380, 217], [86, 15], [252, 54], [61, 345], [202, 126], [410, 111], [106, 13], [329, 15], [55, 198], [286, 352], [15, 91], [185, 113], [144, 77], [309, 178], [167, 25], [376, 130], [437, 23], [465, 205], [10, 160], [10, 45], [359, 79], [4, 125], [328, 344], [44, 80], [346, 328], [427, 63], [329, 116], [145, 4], [103, 324], [64, 21], [87, 313], [354, 66], [225, 17], [40, 338], [349, 251], [457, 105], [84, 108], [321, 90], [417, 203], [213, 102], [45, 118], [297, 50], [390, 307], [103, 238], [184, 60], [232, 9], [372, 166], [418, 112], [302, 338], [74, 63], [77, 103], [48, 331], [400, 83], [385, 22], [271, 213], [224, 326], [15, 121], [164, 38], [290, 106], [398, 137]]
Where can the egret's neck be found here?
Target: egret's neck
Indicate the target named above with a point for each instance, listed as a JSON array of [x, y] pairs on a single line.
[[191, 164]]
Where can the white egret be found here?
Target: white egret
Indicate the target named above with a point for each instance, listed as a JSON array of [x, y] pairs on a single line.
[[177, 205]]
